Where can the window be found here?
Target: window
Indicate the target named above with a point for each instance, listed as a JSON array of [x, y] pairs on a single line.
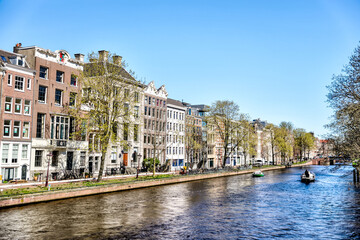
[[136, 132], [5, 153], [8, 104], [15, 153], [126, 93], [72, 101], [40, 125], [55, 158], [38, 158], [42, 94], [24, 151], [136, 97], [149, 100], [126, 131], [7, 128], [58, 97], [18, 105], [82, 158], [59, 128], [73, 81], [26, 130], [28, 86], [20, 62], [60, 76], [27, 107], [10, 79], [126, 108], [113, 155], [136, 111], [17, 125], [43, 72]]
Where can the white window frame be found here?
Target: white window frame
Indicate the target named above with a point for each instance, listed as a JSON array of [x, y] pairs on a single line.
[[9, 80], [28, 84], [13, 156], [9, 129], [46, 72], [46, 91], [61, 76], [11, 103], [19, 79], [18, 104], [61, 97], [26, 128], [25, 149], [2, 153], [18, 127], [76, 80], [27, 105]]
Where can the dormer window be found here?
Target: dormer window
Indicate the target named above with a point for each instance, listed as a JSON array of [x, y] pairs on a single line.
[[20, 62]]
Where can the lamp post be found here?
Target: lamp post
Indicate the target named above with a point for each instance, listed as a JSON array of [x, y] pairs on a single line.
[[47, 175], [137, 171]]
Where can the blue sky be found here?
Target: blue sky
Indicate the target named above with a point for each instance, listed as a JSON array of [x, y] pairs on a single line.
[[273, 58]]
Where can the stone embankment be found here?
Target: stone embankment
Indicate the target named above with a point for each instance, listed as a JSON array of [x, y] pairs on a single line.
[[86, 191]]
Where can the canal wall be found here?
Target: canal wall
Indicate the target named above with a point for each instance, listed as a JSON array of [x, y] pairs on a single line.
[[80, 192]]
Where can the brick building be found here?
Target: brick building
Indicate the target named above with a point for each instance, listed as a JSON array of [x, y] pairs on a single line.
[[17, 84], [155, 122], [55, 88]]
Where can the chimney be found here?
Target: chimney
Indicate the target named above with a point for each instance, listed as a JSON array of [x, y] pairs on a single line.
[[103, 55], [16, 47], [117, 59], [79, 57]]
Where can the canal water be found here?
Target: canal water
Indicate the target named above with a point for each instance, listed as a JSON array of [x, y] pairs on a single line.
[[277, 206]]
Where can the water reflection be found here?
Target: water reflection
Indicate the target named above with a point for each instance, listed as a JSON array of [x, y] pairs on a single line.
[[239, 207]]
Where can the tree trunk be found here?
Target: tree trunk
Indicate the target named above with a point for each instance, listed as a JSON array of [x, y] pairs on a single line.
[[102, 163]]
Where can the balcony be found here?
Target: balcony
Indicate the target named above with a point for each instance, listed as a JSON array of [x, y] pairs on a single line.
[[58, 143]]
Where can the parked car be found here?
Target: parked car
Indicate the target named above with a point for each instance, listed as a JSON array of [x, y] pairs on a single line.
[[258, 163]]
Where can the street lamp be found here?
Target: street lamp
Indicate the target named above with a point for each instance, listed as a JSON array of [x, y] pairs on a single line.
[[137, 172], [47, 175]]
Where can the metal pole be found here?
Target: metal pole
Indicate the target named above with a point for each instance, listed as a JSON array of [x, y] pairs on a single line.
[[47, 175]]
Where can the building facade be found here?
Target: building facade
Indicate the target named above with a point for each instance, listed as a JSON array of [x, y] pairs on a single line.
[[175, 133], [155, 109], [55, 89], [17, 86]]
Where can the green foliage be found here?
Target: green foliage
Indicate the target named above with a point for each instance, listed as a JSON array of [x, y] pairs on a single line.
[[344, 97], [148, 163]]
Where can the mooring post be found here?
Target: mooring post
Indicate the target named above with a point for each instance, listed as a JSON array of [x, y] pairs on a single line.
[[354, 176]]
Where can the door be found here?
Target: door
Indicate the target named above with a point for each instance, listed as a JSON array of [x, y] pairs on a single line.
[[125, 158], [23, 172], [69, 161], [90, 164]]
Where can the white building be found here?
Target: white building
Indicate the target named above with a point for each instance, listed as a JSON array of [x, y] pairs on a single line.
[[175, 133]]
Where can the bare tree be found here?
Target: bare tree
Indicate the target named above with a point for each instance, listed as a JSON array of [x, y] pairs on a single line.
[[109, 95], [231, 126]]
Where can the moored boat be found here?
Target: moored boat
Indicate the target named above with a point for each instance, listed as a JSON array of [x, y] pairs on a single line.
[[258, 173], [308, 176]]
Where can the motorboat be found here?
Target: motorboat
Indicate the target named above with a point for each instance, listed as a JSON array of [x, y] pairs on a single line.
[[308, 176], [258, 173]]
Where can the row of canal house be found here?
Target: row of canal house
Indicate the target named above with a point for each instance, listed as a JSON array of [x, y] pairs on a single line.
[[37, 84]]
